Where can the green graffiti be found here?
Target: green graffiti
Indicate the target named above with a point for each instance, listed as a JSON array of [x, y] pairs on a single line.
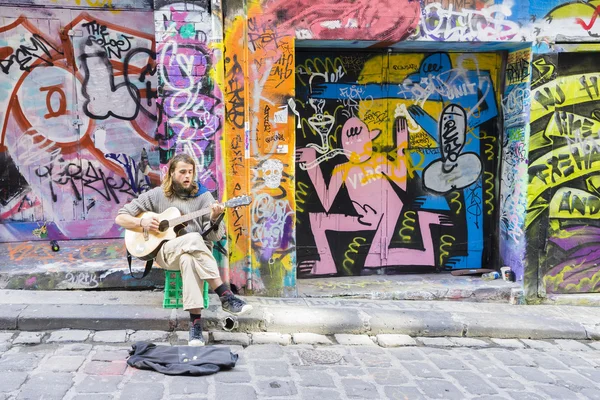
[[187, 31]]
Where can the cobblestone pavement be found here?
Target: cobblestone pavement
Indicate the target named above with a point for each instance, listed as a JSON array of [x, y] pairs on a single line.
[[74, 364]]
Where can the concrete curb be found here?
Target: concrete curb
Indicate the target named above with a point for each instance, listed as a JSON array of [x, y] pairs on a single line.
[[529, 323]]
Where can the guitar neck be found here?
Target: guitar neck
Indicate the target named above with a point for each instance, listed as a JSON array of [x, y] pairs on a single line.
[[235, 202], [188, 217]]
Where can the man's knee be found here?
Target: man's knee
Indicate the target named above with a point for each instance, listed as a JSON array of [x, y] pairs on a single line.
[[186, 259], [193, 242]]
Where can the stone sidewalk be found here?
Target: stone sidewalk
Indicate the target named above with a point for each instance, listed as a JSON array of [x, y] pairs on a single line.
[[118, 310], [81, 364]]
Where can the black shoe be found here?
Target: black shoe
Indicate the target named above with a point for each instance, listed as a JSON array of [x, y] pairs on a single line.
[[234, 305], [196, 338]]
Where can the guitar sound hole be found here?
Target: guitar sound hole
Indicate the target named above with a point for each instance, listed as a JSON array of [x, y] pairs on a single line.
[[163, 226]]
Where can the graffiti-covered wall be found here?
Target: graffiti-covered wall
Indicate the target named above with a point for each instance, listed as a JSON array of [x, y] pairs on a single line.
[[513, 183], [564, 199], [190, 100], [379, 134], [373, 136], [561, 221], [397, 158], [77, 119]]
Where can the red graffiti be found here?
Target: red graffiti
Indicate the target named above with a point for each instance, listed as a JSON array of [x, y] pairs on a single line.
[[345, 19], [5, 52], [585, 26], [62, 101]]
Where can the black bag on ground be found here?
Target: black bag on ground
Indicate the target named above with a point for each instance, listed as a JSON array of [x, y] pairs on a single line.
[[181, 360]]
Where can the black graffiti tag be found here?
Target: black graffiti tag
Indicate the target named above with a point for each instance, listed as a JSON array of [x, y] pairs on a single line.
[[146, 78], [235, 108], [25, 55], [101, 36], [72, 173]]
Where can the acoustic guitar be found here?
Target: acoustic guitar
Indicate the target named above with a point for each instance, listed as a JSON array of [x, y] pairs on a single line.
[[145, 245]]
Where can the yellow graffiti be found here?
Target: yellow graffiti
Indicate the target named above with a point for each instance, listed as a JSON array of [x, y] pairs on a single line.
[[446, 242], [557, 279], [489, 191], [456, 200], [539, 141], [535, 211], [412, 168], [371, 169], [95, 3], [561, 165], [305, 124], [545, 71], [576, 162], [41, 231], [333, 141], [558, 232], [519, 57], [332, 71], [482, 136], [564, 124], [593, 183], [242, 266], [301, 194], [570, 203], [407, 225], [584, 283], [553, 282], [352, 249], [489, 150], [570, 90]]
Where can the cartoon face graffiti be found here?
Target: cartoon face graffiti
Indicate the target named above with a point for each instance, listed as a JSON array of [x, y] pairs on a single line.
[[357, 139], [272, 171]]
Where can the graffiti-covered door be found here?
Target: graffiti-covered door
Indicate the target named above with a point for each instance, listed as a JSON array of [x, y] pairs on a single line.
[[78, 119], [564, 167], [113, 65], [337, 161], [402, 175]]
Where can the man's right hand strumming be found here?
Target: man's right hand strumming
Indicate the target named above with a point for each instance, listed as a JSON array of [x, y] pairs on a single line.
[[150, 223]]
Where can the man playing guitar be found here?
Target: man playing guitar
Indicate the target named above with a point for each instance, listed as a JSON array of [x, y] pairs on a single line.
[[188, 252]]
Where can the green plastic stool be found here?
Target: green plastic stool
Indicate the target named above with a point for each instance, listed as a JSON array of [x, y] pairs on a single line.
[[173, 297]]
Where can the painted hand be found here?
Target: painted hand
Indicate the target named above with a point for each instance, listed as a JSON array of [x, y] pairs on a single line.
[[368, 215], [305, 155]]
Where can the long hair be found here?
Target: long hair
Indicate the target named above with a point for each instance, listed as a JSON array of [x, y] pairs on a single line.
[[167, 183]]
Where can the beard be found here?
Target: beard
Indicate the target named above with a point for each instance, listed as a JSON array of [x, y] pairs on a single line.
[[181, 191]]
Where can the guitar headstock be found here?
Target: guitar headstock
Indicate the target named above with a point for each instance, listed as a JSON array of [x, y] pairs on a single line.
[[238, 201]]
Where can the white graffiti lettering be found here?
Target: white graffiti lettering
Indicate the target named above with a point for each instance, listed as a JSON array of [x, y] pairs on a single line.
[[489, 23], [268, 220], [80, 279]]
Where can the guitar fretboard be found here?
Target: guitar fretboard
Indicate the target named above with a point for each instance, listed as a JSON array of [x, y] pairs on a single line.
[[185, 218]]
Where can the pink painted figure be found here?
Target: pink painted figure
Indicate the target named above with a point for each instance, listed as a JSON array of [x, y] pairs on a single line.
[[373, 197]]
